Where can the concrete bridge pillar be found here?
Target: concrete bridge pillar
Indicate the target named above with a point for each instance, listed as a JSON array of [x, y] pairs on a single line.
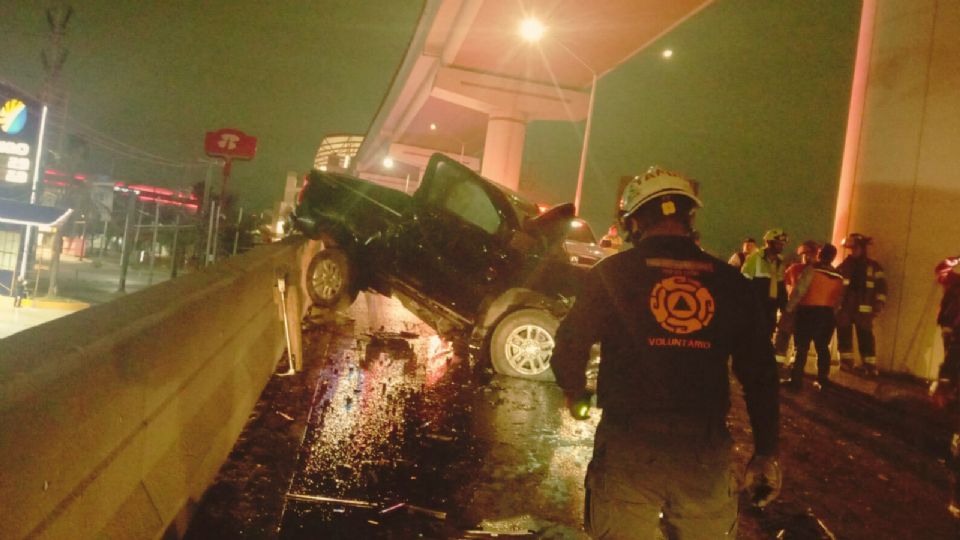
[[503, 148]]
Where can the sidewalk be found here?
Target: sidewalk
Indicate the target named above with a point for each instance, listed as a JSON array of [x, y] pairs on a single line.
[[81, 283]]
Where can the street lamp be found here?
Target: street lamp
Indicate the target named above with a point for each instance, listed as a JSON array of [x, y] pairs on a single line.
[[533, 30], [433, 127]]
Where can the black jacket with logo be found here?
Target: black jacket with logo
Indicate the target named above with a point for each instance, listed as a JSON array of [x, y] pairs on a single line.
[[667, 317]]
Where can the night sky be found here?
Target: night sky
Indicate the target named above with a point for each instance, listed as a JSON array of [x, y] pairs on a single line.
[[159, 74], [753, 103]]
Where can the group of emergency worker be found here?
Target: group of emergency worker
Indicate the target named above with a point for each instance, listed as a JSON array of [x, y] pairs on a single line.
[[811, 298], [669, 317]]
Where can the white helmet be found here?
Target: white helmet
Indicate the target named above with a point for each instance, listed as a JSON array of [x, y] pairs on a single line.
[[654, 184]]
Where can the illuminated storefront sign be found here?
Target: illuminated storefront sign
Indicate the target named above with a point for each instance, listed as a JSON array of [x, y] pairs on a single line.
[[20, 119]]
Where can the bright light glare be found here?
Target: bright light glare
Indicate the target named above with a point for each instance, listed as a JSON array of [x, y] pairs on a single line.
[[433, 127], [576, 224], [388, 162], [532, 30], [667, 53]]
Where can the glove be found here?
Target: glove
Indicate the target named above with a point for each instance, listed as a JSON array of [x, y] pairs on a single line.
[[579, 405], [763, 480]]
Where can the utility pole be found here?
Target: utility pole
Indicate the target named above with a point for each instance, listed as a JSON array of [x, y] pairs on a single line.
[[53, 56], [153, 241], [236, 236], [125, 248]]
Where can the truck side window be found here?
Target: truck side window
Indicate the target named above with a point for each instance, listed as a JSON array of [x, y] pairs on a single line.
[[471, 203]]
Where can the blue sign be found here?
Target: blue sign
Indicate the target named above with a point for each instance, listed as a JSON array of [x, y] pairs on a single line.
[[20, 118]]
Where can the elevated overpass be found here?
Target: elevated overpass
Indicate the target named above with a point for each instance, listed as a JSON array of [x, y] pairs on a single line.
[[114, 420]]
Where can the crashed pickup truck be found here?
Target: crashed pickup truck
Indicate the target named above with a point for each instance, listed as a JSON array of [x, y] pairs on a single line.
[[479, 264]]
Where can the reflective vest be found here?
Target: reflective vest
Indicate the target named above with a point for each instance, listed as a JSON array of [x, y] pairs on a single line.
[[758, 267]]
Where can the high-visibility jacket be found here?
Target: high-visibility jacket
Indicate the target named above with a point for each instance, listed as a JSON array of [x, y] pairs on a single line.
[[866, 285], [818, 285], [766, 274]]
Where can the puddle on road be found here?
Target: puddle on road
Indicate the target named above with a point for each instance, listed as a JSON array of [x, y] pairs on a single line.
[[402, 442]]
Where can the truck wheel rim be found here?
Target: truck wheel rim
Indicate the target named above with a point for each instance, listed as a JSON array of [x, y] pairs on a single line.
[[528, 349], [327, 279]]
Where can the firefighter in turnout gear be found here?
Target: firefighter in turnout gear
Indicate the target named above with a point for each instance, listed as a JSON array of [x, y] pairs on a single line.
[[765, 269], [945, 391], [863, 300], [668, 317]]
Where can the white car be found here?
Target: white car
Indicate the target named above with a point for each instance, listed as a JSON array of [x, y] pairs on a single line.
[[580, 244]]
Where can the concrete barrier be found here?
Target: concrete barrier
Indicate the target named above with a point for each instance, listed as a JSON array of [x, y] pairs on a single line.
[[115, 419]]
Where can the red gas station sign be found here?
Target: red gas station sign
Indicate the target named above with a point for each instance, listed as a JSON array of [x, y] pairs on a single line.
[[230, 144]]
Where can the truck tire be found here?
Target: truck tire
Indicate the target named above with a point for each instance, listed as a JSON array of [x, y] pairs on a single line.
[[522, 344], [330, 280]]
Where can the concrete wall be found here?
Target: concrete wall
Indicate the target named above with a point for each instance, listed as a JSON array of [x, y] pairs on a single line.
[[906, 190], [114, 420]]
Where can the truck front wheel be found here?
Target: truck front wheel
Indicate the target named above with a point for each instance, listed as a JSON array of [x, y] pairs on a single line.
[[522, 344], [330, 281]]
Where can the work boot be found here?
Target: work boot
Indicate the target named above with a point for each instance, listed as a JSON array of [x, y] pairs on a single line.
[[821, 384], [791, 384]]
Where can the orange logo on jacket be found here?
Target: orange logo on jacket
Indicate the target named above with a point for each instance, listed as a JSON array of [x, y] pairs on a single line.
[[681, 305]]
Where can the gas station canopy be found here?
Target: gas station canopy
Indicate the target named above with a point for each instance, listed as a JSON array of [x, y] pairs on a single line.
[[21, 213]]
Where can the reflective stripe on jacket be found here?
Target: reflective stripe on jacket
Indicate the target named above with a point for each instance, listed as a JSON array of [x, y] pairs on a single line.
[[866, 284], [818, 285], [758, 267]]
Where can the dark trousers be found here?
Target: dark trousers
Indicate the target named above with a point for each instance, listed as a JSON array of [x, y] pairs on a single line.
[[770, 308], [814, 323], [863, 322], [781, 340]]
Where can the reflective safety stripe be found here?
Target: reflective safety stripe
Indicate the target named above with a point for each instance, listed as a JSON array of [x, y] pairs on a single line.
[[869, 284], [846, 282], [846, 356], [882, 297], [879, 274], [869, 271], [866, 309], [871, 360]]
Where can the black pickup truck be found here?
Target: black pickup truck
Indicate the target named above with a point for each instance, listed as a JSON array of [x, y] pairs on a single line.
[[476, 262]]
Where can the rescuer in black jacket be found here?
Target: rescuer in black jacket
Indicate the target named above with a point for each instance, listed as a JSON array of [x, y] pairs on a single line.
[[668, 317]]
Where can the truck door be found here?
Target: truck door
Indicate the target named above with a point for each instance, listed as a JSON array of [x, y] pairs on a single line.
[[460, 256]]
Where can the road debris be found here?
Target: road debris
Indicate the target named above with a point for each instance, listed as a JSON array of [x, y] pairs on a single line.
[[304, 497]]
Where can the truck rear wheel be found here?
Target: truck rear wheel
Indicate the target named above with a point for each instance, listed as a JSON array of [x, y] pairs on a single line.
[[330, 281], [522, 344]]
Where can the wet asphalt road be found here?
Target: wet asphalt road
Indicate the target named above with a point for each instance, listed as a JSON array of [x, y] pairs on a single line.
[[404, 439], [403, 442]]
